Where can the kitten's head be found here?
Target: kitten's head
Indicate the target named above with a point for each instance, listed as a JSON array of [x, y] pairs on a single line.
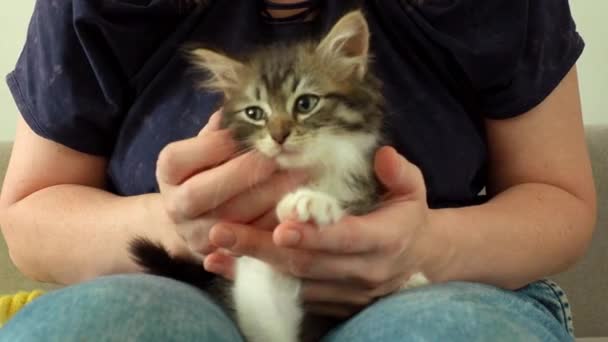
[[301, 103]]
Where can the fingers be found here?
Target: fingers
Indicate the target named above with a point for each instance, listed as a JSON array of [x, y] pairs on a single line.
[[363, 270], [221, 263], [351, 235], [400, 177], [209, 189], [196, 234], [247, 240], [181, 159], [327, 267], [268, 221], [257, 243], [213, 124], [262, 198]]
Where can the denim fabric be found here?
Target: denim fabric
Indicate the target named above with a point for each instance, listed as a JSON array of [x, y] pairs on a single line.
[[148, 308], [462, 312]]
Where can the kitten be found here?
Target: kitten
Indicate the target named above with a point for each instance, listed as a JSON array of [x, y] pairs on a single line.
[[309, 105]]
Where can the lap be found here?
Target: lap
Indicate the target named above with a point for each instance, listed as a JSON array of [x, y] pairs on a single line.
[[122, 308], [149, 308], [461, 312]]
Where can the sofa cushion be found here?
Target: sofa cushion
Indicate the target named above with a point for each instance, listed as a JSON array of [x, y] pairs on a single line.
[[587, 284]]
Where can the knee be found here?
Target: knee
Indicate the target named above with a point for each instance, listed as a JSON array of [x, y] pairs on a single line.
[[138, 287], [131, 293], [444, 309], [452, 312], [141, 296], [124, 307]]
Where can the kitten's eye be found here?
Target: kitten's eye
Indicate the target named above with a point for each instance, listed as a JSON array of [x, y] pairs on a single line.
[[255, 113], [306, 103]]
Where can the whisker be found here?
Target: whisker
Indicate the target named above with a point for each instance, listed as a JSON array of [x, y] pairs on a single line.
[[324, 164]]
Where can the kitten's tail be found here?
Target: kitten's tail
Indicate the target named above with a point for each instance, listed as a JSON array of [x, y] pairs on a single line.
[[155, 259]]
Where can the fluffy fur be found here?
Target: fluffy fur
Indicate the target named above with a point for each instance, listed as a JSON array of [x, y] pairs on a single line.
[[313, 106]]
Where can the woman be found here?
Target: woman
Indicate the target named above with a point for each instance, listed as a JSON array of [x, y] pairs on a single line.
[[481, 94]]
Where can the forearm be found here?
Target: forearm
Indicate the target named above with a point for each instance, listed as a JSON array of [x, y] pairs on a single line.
[[69, 233], [523, 234]]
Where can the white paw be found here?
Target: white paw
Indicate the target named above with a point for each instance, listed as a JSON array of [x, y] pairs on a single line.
[[307, 205]]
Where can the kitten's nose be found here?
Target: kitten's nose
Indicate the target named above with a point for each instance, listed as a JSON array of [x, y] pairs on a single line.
[[280, 135]]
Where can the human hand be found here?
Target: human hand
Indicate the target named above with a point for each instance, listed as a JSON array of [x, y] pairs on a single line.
[[348, 265], [204, 179]]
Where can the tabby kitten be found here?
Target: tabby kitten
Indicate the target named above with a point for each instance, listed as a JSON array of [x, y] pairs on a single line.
[[309, 105]]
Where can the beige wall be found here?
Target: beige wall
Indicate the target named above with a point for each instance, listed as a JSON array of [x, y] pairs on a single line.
[[14, 19], [593, 67], [591, 19]]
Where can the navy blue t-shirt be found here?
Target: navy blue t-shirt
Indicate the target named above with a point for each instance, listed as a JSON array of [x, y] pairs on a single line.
[[109, 78]]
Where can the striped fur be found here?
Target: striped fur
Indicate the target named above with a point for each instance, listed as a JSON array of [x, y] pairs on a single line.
[[311, 105]]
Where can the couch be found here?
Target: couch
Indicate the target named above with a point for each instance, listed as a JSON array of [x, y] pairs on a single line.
[[586, 284]]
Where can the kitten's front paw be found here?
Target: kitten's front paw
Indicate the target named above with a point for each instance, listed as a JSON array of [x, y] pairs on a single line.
[[307, 205]]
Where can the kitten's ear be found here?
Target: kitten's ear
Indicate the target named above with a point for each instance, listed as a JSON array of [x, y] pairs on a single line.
[[348, 44], [225, 72]]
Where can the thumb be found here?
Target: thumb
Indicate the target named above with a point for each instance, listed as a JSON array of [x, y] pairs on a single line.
[[399, 176], [213, 124]]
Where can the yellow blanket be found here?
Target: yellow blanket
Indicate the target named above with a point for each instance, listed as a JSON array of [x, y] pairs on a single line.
[[9, 305]]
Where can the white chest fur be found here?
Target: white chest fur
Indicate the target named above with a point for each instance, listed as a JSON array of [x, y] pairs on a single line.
[[267, 302]]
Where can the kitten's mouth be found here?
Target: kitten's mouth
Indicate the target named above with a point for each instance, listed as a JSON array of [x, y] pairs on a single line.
[[288, 150], [288, 158], [282, 151]]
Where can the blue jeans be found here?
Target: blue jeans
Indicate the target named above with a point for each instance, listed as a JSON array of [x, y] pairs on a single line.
[[148, 308]]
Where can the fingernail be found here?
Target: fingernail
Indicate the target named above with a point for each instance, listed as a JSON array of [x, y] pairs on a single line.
[[228, 252], [291, 237], [214, 267], [225, 238]]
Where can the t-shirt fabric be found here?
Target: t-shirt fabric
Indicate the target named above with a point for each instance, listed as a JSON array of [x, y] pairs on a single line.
[[110, 77]]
